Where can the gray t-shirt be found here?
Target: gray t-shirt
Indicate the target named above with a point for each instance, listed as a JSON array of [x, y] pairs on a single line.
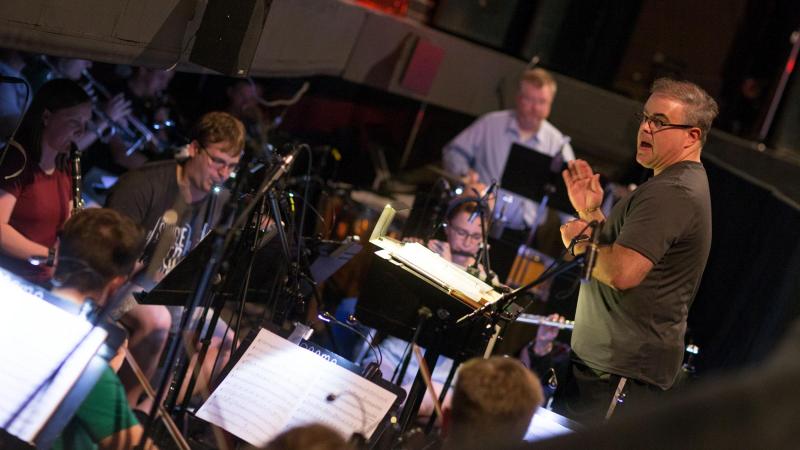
[[145, 194], [638, 333]]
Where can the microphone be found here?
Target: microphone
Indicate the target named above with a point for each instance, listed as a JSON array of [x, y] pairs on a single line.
[[481, 201], [590, 257], [12, 80], [287, 160]]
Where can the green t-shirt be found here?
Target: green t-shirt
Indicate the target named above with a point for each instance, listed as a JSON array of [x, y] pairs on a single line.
[[104, 412]]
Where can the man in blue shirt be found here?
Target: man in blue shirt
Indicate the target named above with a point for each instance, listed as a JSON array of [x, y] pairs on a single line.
[[479, 153]]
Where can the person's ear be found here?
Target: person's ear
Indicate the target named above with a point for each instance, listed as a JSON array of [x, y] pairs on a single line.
[[694, 136], [193, 148], [46, 114]]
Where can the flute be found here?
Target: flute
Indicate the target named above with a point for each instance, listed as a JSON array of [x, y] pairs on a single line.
[[534, 319]]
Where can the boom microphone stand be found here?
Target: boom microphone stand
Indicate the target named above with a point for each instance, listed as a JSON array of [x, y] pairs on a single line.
[[222, 238]]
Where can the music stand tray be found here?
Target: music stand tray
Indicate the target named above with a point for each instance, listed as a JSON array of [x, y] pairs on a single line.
[[532, 175], [182, 279]]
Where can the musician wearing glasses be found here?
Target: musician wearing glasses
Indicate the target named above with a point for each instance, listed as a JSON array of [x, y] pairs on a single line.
[[463, 232], [631, 318], [145, 195]]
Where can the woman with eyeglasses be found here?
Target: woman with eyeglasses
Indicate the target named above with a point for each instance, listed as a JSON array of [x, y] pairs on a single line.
[[35, 179]]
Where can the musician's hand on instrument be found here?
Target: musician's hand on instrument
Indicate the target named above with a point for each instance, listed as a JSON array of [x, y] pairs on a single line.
[[471, 178], [583, 186], [545, 335], [547, 332], [440, 247], [118, 108]]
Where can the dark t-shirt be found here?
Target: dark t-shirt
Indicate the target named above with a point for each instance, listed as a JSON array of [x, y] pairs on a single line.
[[145, 194], [40, 211], [638, 333]]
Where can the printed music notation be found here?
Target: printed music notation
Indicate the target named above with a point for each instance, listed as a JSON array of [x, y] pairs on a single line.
[[423, 261], [277, 385]]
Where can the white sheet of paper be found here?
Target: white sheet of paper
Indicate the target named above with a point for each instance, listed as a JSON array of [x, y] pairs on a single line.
[[34, 338], [277, 385], [546, 424]]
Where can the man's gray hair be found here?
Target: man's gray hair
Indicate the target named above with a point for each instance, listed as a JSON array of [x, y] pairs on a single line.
[[700, 109]]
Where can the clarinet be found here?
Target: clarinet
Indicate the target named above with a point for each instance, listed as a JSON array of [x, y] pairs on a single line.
[[77, 198]]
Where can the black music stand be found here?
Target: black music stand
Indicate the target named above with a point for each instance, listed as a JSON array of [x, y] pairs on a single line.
[[534, 175], [391, 297], [327, 256]]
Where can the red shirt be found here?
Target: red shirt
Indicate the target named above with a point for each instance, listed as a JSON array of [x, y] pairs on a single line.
[[41, 209]]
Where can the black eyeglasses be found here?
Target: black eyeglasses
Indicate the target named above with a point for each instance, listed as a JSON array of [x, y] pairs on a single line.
[[656, 123], [464, 234], [219, 163]]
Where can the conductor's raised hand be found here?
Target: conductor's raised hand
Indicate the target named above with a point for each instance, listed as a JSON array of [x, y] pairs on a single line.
[[583, 186]]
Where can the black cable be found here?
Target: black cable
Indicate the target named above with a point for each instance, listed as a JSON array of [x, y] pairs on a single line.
[[376, 350], [14, 133], [305, 203]]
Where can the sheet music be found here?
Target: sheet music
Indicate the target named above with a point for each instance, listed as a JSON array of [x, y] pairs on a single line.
[[35, 337], [277, 385], [546, 424], [444, 273]]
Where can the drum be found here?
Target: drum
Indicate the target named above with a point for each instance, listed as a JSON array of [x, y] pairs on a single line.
[[530, 264], [353, 213]]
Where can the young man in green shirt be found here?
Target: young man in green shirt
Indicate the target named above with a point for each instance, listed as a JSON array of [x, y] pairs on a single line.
[[96, 252]]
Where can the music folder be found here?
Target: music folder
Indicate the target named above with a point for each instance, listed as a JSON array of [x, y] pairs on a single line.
[[48, 361], [533, 175], [404, 277], [275, 385]]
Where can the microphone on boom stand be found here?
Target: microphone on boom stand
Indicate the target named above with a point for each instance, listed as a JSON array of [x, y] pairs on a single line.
[[590, 257]]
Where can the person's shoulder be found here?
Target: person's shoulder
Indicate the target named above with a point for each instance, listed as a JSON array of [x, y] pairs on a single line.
[[685, 180], [549, 128], [684, 175], [152, 171], [146, 180], [17, 171], [500, 115]]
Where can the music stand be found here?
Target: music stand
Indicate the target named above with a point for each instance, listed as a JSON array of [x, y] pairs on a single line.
[[331, 358], [42, 416], [179, 282], [533, 175]]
